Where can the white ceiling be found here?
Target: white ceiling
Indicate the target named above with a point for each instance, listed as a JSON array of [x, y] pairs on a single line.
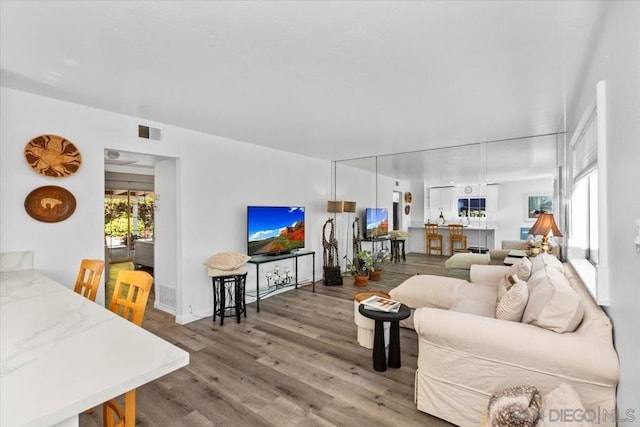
[[329, 79]]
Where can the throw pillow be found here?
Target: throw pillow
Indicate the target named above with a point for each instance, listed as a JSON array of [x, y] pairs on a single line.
[[227, 261], [515, 406], [522, 269], [511, 306], [546, 262], [562, 398], [553, 304]]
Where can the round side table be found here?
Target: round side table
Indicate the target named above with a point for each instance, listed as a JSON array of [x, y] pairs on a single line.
[[379, 359]]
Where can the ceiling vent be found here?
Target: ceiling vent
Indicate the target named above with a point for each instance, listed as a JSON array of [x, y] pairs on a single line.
[[147, 132]]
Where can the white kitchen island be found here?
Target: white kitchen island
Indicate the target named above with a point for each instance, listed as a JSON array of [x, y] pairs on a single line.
[[61, 354]]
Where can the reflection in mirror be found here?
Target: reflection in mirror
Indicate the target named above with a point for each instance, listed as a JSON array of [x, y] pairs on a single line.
[[484, 186]]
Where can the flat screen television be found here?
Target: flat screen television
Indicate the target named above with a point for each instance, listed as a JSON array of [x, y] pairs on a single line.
[[273, 230], [376, 222]]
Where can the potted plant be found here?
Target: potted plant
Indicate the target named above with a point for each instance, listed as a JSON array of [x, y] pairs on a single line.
[[360, 267], [377, 259]]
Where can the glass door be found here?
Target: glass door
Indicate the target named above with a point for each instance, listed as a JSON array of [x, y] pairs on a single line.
[[128, 217]]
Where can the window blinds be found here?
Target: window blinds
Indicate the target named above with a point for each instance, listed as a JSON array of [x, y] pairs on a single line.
[[584, 149]]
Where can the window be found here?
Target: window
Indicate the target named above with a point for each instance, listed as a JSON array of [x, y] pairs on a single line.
[[475, 207], [584, 218], [587, 212]]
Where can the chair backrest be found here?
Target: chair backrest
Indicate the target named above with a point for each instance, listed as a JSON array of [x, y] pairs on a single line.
[[431, 229], [456, 230], [88, 279], [130, 295]]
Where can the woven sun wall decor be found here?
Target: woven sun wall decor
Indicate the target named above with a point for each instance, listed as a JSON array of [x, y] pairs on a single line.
[[52, 155]]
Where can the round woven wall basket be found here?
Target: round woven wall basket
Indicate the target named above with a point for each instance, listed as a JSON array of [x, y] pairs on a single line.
[[52, 155]]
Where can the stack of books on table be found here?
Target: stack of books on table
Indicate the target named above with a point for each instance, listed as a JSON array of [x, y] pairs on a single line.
[[381, 304]]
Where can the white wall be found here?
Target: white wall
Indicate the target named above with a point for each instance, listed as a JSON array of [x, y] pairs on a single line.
[[216, 179], [615, 58]]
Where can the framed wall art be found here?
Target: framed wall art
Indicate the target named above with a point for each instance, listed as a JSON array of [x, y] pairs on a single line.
[[538, 204]]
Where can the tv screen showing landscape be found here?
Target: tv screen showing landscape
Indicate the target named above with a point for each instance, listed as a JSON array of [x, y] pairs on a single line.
[[376, 222], [274, 229]]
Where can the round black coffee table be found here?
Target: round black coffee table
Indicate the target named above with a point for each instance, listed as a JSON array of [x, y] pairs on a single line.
[[379, 359]]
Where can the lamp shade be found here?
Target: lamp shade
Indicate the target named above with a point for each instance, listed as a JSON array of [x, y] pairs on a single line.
[[544, 225], [334, 206], [349, 206]]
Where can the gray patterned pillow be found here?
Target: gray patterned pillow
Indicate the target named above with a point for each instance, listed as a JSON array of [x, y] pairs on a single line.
[[515, 406]]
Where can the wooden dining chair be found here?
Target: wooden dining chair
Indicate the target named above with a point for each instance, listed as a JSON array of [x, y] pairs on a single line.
[[88, 280], [129, 300], [432, 235], [456, 235]]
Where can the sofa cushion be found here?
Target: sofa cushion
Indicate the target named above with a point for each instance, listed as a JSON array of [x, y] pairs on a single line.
[[476, 299], [553, 304], [546, 262], [425, 290], [465, 260], [227, 261], [511, 306]]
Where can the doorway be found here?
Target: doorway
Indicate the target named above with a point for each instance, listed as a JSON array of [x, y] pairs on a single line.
[[147, 237], [396, 210]]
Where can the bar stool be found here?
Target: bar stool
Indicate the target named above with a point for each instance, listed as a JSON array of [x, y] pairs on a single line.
[[432, 235], [456, 234], [129, 301], [229, 295]]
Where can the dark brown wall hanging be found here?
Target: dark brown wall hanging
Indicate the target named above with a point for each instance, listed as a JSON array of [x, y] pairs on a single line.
[[52, 155], [50, 204]]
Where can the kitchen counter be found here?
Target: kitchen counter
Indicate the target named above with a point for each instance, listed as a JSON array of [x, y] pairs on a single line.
[[476, 236], [61, 354]]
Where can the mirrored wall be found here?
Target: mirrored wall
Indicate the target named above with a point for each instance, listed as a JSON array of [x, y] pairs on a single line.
[[491, 188]]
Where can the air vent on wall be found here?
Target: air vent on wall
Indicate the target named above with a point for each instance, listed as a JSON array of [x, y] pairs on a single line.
[[147, 132]]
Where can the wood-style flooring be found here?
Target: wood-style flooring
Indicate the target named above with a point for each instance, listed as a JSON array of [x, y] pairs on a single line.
[[296, 363]]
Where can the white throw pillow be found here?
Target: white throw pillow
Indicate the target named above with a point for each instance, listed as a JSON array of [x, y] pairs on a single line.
[[511, 306], [522, 269], [562, 400], [553, 304], [227, 261]]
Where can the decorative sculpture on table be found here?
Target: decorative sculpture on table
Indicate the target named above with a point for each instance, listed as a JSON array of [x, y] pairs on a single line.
[[331, 268], [357, 246]]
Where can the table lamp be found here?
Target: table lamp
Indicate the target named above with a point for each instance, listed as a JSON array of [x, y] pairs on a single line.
[[335, 206], [543, 226]]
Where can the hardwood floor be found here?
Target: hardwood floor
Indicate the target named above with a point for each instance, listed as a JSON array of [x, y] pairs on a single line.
[[296, 363]]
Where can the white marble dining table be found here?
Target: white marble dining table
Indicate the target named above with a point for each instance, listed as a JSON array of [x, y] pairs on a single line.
[[61, 354]]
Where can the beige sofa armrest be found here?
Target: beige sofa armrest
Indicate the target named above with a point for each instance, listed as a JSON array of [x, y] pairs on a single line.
[[502, 343], [487, 274], [513, 244]]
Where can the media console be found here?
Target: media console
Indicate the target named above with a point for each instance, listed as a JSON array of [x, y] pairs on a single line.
[[263, 259]]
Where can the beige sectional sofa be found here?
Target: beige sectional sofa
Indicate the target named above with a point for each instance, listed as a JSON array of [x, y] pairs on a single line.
[[466, 354]]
